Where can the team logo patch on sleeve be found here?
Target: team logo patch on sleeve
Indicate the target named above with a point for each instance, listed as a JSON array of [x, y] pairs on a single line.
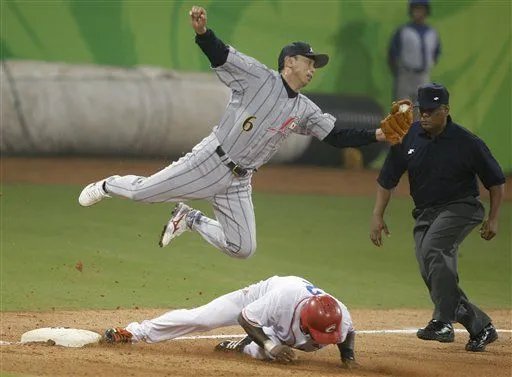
[[289, 123]]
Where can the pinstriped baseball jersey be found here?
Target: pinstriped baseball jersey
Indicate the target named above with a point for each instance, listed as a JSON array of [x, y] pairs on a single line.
[[260, 114]]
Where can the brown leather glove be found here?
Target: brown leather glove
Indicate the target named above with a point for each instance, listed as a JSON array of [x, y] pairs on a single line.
[[396, 125]]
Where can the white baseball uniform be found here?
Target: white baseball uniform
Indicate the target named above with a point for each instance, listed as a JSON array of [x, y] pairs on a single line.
[[259, 117], [273, 304]]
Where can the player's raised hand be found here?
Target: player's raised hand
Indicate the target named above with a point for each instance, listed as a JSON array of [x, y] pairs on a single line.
[[378, 225], [198, 19]]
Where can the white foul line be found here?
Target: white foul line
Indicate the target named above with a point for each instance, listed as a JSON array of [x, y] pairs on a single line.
[[402, 331], [3, 343], [223, 336]]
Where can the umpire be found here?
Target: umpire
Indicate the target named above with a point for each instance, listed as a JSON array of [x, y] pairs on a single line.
[[443, 160]]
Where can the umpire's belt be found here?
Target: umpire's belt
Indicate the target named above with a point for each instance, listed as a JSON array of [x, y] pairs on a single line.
[[235, 169]]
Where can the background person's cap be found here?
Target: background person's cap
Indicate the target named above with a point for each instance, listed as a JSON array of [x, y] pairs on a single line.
[[415, 3], [432, 95], [304, 49]]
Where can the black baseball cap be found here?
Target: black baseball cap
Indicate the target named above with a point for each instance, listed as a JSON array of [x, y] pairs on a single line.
[[304, 49], [432, 95]]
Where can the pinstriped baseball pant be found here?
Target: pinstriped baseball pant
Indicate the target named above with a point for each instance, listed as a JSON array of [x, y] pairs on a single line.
[[201, 174]]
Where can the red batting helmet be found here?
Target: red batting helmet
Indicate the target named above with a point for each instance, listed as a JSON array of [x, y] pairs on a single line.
[[321, 317]]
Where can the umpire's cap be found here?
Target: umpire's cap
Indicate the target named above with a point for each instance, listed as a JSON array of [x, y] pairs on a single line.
[[432, 95], [304, 49]]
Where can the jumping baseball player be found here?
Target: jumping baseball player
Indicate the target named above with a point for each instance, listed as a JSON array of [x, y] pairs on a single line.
[[265, 108], [278, 314]]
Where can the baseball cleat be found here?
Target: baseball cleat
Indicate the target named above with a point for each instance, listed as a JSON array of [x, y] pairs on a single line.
[[478, 342], [117, 335], [233, 345], [437, 330], [176, 225], [92, 194]]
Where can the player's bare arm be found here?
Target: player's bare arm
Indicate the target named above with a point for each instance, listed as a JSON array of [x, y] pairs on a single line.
[[280, 352], [198, 19]]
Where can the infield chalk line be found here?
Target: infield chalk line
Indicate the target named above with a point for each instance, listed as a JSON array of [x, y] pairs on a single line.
[[402, 331], [222, 336]]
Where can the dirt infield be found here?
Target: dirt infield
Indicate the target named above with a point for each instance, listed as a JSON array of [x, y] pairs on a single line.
[[277, 179], [397, 355]]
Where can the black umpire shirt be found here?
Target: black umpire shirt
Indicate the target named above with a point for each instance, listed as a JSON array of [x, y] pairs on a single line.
[[442, 169]]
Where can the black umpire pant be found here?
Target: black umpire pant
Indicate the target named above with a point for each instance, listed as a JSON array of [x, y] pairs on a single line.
[[438, 232]]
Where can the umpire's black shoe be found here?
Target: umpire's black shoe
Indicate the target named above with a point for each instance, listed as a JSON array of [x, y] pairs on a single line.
[[233, 345], [478, 342], [437, 330]]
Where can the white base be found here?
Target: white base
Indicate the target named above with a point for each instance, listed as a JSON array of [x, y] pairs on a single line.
[[61, 336]]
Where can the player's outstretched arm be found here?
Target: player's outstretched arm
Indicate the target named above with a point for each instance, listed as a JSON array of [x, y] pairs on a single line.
[[280, 352], [216, 50], [393, 129], [353, 137], [317, 123]]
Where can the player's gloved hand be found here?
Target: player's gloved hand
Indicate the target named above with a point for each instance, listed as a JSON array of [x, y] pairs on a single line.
[[283, 353], [396, 125]]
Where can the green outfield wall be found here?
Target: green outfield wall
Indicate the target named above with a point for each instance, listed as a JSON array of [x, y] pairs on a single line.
[[475, 63]]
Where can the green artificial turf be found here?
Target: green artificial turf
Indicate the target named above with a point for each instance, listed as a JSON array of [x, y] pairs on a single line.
[[44, 233]]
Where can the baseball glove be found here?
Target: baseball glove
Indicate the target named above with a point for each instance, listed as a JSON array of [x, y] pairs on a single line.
[[396, 125]]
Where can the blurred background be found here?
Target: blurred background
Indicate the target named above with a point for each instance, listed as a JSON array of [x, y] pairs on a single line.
[[95, 88], [125, 77]]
